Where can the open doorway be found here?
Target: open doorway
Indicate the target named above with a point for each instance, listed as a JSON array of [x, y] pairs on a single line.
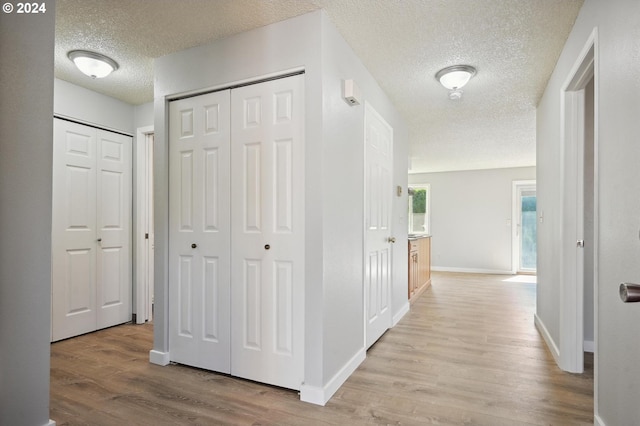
[[524, 225], [579, 235], [143, 238]]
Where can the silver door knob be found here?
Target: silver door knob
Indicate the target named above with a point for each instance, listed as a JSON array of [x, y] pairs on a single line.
[[391, 239], [629, 292]]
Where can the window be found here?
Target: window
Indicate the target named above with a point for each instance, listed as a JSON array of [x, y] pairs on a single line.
[[419, 209]]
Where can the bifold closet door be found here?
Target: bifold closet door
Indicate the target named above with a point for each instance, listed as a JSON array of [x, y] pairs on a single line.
[[267, 251], [199, 231], [236, 238], [91, 229]]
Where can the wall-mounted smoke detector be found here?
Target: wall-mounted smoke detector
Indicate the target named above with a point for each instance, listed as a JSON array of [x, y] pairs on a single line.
[[351, 92]]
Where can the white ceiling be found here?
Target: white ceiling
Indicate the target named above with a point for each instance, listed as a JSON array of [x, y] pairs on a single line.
[[514, 44]]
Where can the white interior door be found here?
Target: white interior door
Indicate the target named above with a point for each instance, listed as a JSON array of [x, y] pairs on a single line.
[[268, 232], [113, 212], [378, 197], [199, 231], [91, 229], [73, 286]]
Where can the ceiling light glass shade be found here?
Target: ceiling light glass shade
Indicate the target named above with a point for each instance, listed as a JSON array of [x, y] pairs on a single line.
[[93, 64], [456, 76]]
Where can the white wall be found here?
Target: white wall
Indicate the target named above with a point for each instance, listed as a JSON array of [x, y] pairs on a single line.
[[334, 137], [617, 384], [92, 108], [143, 115], [26, 129], [471, 218], [343, 183]]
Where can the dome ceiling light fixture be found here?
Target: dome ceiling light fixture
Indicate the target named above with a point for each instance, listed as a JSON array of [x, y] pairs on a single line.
[[93, 64], [454, 78]]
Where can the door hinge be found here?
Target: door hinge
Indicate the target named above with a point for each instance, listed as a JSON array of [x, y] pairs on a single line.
[[580, 243], [146, 236]]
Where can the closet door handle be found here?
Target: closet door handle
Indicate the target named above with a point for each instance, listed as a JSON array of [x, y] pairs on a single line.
[[99, 239], [267, 246], [194, 245]]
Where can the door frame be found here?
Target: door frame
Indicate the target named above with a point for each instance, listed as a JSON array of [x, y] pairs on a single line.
[[143, 224], [516, 210], [572, 109]]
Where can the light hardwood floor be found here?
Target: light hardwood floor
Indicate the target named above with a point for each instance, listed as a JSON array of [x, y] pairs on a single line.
[[467, 354]]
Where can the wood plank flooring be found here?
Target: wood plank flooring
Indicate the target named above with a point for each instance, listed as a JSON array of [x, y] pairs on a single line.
[[467, 354]]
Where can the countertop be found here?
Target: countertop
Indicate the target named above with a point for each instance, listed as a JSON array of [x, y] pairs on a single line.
[[413, 237]]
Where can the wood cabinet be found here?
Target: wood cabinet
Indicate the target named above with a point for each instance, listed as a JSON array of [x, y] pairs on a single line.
[[419, 266]]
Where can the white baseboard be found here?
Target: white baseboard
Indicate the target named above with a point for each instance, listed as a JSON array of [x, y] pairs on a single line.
[[51, 423], [553, 348], [399, 315], [320, 396], [589, 346], [470, 270], [159, 358], [597, 421]]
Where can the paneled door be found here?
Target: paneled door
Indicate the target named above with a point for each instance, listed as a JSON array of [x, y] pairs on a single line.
[[199, 231], [378, 238], [91, 229], [267, 210]]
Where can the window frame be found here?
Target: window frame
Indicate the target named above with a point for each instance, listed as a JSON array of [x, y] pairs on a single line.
[[410, 218]]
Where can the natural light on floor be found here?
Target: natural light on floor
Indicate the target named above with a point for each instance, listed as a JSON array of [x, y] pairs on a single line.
[[531, 279]]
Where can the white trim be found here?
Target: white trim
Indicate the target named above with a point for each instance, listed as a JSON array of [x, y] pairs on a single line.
[[159, 358], [143, 294], [589, 346], [320, 396], [401, 313], [597, 421], [553, 348], [92, 124], [470, 270], [51, 423], [237, 83]]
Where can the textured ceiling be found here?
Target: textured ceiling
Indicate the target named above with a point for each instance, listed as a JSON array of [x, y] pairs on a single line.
[[514, 44]]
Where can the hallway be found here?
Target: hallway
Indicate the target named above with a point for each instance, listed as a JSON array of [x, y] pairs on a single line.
[[467, 353]]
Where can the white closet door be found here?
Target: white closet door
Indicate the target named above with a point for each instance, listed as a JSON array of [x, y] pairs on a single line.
[[378, 197], [73, 284], [91, 229], [267, 205], [113, 212], [199, 231]]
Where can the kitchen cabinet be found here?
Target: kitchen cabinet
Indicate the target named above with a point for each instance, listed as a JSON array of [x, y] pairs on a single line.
[[419, 266]]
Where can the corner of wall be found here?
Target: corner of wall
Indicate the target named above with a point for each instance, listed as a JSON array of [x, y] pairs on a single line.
[[320, 396], [551, 344]]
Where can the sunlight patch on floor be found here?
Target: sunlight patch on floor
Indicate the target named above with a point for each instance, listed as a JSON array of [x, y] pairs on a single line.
[[530, 279]]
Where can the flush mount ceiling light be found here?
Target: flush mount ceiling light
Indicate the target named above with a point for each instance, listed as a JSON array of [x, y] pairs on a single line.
[[454, 78], [93, 64]]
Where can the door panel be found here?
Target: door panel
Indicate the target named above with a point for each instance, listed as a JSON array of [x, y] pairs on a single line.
[[378, 196], [73, 230], [199, 231], [114, 266], [268, 235]]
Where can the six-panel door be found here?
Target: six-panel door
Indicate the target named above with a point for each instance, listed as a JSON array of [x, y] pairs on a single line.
[[199, 231]]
